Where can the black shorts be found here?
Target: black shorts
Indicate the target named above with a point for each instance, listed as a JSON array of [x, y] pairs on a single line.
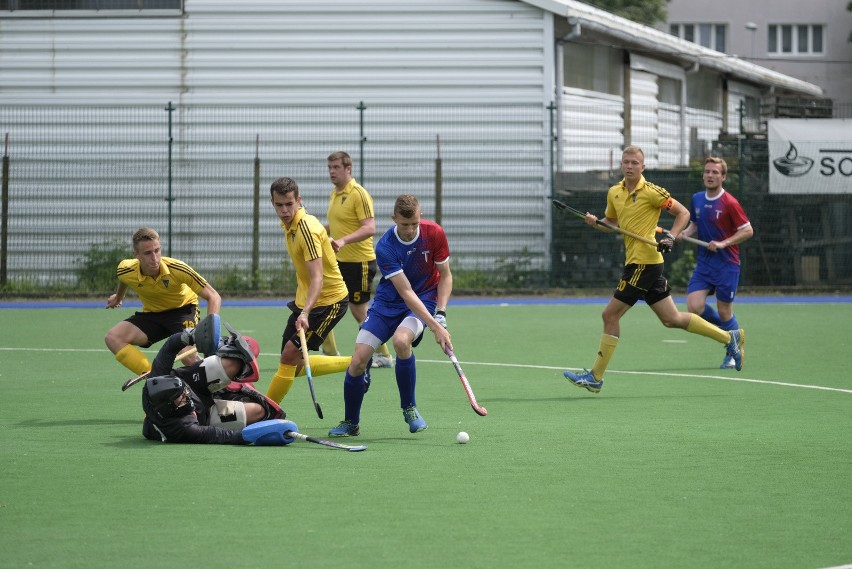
[[321, 321], [645, 282], [160, 325], [359, 279]]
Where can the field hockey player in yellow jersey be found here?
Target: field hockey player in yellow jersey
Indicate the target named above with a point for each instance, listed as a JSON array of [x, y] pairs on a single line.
[[635, 205], [351, 226], [169, 291], [321, 295]]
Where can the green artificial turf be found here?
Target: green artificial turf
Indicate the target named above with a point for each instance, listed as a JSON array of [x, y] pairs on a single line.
[[676, 463]]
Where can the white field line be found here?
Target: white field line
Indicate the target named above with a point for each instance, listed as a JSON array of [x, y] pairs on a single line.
[[660, 373], [531, 366]]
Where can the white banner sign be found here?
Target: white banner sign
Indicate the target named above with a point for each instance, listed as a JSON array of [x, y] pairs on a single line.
[[810, 156]]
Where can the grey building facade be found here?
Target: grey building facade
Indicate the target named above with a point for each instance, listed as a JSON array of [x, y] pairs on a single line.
[[807, 40]]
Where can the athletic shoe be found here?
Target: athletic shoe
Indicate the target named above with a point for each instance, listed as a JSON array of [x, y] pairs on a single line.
[[728, 362], [345, 429], [585, 379], [736, 348], [330, 354], [414, 420], [382, 361]]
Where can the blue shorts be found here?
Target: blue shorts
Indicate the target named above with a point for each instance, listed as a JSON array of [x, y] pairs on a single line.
[[382, 320], [721, 282]]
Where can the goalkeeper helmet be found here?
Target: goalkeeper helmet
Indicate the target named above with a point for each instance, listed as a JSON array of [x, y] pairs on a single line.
[[169, 396], [244, 349]]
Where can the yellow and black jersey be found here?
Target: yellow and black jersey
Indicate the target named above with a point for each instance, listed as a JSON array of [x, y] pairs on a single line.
[[638, 212], [347, 208], [306, 241], [175, 286]]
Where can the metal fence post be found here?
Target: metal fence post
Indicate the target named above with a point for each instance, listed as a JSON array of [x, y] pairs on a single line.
[[439, 181], [740, 140], [361, 108], [4, 231], [170, 109], [255, 235]]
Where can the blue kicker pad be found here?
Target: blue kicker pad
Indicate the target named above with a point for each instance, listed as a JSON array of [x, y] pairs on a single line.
[[207, 335], [271, 432]]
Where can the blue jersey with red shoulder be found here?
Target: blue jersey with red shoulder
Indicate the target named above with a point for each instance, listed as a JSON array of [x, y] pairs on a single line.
[[717, 219], [417, 259]]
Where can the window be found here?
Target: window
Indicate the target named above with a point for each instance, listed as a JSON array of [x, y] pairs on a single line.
[[593, 68], [668, 90], [711, 35], [703, 91], [71, 6], [795, 39]]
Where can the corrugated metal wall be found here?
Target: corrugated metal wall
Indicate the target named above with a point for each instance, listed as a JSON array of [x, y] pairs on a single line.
[[289, 74]]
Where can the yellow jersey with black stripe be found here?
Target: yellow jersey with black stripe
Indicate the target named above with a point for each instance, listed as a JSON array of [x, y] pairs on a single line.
[[347, 208], [306, 241], [638, 212], [175, 286]]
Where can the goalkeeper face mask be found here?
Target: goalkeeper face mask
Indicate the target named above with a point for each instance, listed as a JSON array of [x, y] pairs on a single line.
[[169, 396]]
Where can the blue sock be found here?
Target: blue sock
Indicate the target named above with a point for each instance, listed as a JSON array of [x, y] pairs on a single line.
[[711, 316], [731, 324], [406, 379], [353, 396]]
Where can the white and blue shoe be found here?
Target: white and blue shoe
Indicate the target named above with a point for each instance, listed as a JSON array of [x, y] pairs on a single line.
[[345, 429], [585, 379], [414, 420], [736, 348]]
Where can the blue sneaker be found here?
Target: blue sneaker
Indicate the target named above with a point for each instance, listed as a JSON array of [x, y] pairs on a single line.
[[345, 429], [728, 362], [736, 348], [414, 420], [585, 379]]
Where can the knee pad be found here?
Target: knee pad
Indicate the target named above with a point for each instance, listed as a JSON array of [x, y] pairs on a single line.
[[229, 415]]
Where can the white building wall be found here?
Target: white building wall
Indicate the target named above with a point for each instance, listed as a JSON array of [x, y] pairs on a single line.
[[295, 71], [592, 131]]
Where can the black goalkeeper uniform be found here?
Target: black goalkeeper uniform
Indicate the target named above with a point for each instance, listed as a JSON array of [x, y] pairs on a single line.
[[193, 427]]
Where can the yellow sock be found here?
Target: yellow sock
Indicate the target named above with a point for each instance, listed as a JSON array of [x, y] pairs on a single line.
[[281, 382], [605, 351], [698, 325], [133, 359], [322, 365], [329, 347], [383, 350]]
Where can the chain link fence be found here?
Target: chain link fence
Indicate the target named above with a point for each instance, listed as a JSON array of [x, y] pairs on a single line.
[[78, 181]]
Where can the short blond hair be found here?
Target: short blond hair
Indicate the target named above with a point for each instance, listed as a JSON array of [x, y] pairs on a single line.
[[634, 150], [144, 234], [719, 161]]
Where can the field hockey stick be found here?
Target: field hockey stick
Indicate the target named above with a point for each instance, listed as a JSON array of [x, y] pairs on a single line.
[[578, 213], [478, 409], [310, 377], [143, 376], [692, 240], [324, 442]]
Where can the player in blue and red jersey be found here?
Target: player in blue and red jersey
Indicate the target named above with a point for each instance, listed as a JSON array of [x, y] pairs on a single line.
[[719, 219], [412, 295]]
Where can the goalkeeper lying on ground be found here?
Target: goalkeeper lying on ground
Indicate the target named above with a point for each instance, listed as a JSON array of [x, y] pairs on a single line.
[[210, 401]]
